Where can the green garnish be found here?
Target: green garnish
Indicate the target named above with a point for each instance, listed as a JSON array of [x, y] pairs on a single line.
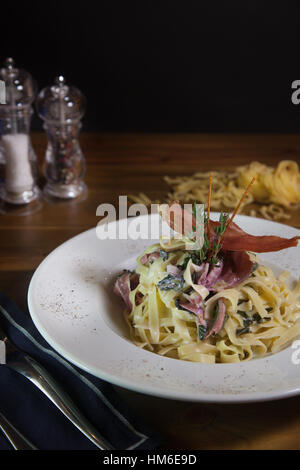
[[247, 321], [219, 230], [202, 330], [185, 263], [200, 215], [164, 255], [242, 331], [194, 215], [223, 221], [257, 318], [171, 282], [194, 256], [243, 314]]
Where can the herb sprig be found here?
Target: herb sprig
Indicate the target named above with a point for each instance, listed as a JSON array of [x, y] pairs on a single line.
[[202, 253], [207, 252], [219, 231]]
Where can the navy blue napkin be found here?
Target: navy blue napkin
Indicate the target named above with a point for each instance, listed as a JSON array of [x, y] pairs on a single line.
[[39, 420]]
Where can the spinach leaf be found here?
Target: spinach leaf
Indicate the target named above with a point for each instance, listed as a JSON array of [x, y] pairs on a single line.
[[202, 329], [242, 331], [171, 282], [257, 318], [164, 255]]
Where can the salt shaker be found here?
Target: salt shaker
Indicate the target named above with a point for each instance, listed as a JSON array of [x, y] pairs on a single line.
[[61, 107], [19, 169]]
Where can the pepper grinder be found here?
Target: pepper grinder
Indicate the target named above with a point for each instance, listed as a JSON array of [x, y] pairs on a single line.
[[61, 107], [18, 162]]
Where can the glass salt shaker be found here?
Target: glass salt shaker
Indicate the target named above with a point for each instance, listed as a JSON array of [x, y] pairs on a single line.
[[18, 162], [61, 107]]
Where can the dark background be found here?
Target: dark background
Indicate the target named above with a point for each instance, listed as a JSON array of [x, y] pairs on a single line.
[[166, 65]]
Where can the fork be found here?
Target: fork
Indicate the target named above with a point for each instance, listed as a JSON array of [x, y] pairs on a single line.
[[17, 440], [38, 375]]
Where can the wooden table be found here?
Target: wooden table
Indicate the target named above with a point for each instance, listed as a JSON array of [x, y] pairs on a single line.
[[120, 164]]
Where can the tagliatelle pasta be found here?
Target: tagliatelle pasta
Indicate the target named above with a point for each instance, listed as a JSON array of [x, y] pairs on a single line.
[[276, 189], [262, 314], [279, 185]]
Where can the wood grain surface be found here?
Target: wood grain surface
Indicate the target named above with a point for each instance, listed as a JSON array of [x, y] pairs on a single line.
[[122, 164]]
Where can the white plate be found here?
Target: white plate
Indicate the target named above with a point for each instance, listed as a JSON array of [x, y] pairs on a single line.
[[72, 304]]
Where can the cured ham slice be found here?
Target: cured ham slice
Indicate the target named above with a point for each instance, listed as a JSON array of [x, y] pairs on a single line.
[[219, 320], [148, 257], [233, 268], [214, 274], [123, 286], [235, 239], [194, 306], [237, 266]]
